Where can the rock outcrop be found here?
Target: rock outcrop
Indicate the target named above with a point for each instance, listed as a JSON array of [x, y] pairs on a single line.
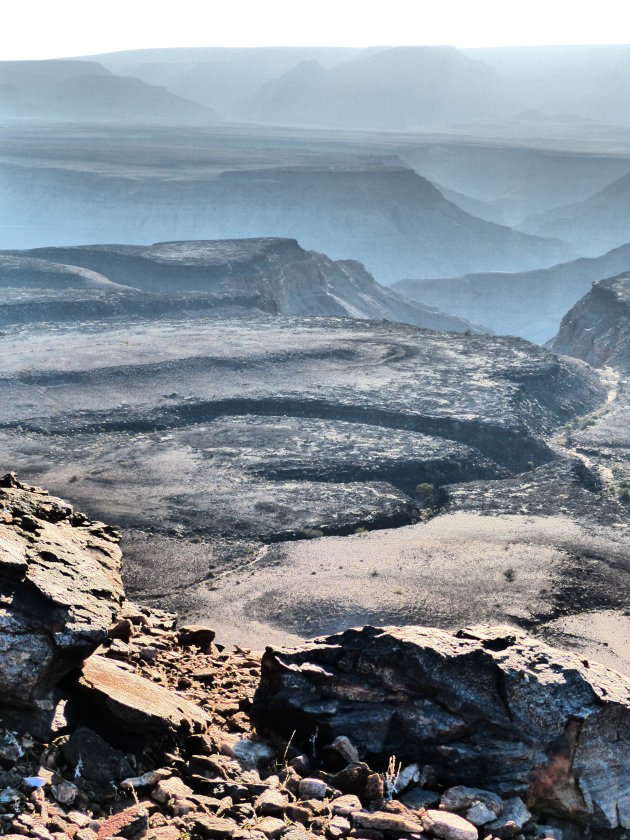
[[489, 707], [60, 588], [597, 328]]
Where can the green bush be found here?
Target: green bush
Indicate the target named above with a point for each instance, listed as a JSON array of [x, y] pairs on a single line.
[[425, 489]]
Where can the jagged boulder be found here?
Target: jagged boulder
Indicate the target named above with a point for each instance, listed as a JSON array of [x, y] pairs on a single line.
[[60, 589], [488, 707]]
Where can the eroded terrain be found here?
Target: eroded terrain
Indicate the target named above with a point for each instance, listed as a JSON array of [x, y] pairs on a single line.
[[246, 457]]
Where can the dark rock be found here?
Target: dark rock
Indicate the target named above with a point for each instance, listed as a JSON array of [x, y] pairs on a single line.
[[487, 706], [312, 789], [459, 798], [374, 788], [60, 589], [419, 798], [352, 779], [197, 635], [514, 816], [92, 758]]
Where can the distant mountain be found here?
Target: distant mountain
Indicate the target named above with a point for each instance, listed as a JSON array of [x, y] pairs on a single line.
[[268, 275], [399, 88], [85, 91], [220, 78], [599, 222], [571, 81], [396, 88], [530, 304], [597, 328], [385, 215]]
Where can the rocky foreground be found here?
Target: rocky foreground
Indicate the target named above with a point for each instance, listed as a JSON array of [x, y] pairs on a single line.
[[118, 723]]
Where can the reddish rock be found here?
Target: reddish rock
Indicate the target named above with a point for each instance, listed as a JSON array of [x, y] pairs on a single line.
[[135, 704], [131, 822]]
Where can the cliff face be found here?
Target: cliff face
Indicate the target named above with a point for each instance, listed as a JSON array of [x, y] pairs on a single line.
[[597, 329], [386, 215], [60, 588], [265, 274]]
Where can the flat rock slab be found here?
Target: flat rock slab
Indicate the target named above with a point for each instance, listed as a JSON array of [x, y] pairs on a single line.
[[60, 589], [136, 704], [487, 706]]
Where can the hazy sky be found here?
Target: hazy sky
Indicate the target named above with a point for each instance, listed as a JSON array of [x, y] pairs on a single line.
[[54, 28]]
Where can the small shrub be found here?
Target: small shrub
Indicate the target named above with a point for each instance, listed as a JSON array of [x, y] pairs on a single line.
[[509, 574], [424, 489]]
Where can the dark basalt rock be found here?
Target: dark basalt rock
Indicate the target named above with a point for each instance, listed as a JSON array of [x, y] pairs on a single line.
[[60, 588], [94, 759], [489, 707]]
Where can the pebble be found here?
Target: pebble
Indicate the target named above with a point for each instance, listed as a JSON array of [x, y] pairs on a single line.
[[346, 749], [338, 826], [480, 814], [213, 828], [407, 776], [270, 802], [419, 798], [171, 789], [65, 792], [512, 819], [148, 779], [312, 789], [449, 826], [383, 821], [462, 798], [271, 827], [346, 805]]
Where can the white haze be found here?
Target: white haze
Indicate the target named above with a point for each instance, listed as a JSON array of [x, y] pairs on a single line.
[[37, 29]]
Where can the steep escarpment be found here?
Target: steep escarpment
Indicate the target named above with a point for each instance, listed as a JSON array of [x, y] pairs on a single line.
[[359, 207], [198, 277], [597, 328]]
